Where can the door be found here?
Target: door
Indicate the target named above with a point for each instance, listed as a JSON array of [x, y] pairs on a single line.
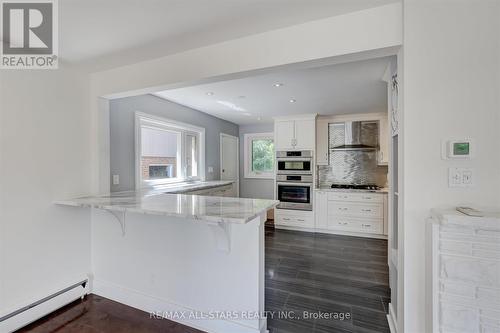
[[229, 159], [284, 135], [304, 134]]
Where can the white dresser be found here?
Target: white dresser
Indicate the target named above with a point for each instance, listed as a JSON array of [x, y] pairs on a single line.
[[463, 286]]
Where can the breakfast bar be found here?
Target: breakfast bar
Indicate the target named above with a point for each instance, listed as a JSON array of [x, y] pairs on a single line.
[[197, 260]]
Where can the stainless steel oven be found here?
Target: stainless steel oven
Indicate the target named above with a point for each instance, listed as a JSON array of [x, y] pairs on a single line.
[[294, 162], [294, 191]]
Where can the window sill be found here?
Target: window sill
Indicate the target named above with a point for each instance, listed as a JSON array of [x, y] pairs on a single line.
[[270, 177]]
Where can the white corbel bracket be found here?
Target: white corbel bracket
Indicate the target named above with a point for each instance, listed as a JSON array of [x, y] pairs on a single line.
[[222, 234], [120, 217]]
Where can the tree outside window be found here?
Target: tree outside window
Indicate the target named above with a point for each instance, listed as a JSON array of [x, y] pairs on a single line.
[[259, 155]]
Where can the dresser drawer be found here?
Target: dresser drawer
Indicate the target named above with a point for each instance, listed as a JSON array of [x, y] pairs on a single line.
[[355, 225], [356, 197], [360, 210]]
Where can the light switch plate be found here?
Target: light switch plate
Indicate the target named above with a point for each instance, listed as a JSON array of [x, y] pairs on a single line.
[[210, 169], [460, 177], [116, 179]]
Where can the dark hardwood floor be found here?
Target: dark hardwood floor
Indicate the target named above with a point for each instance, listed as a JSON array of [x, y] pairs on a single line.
[[97, 314], [316, 273], [326, 273]]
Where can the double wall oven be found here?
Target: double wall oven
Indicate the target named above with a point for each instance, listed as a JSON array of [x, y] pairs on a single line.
[[294, 179]]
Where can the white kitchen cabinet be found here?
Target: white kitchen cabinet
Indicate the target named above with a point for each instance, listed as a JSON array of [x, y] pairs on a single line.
[[305, 137], [321, 209], [383, 154], [284, 134], [293, 218], [295, 133], [354, 213], [322, 142]]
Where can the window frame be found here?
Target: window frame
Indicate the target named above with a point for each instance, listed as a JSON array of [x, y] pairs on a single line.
[[155, 122], [248, 140]]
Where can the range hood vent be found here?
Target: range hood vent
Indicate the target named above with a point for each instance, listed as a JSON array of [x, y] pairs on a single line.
[[354, 135]]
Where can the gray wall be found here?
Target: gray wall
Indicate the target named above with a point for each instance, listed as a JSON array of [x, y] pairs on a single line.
[[122, 134], [249, 187]]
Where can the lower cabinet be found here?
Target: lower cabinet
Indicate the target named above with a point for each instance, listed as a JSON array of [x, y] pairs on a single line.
[[363, 214], [294, 218]]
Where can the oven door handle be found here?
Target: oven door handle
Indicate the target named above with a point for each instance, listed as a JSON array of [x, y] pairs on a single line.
[[294, 159], [294, 184]]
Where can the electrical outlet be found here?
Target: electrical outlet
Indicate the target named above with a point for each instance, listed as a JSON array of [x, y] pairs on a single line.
[[116, 179]]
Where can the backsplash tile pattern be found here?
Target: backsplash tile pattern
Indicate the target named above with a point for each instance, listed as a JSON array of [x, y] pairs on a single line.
[[352, 167]]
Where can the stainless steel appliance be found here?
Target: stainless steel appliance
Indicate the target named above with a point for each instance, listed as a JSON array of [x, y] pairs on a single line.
[[294, 195], [294, 162], [354, 135], [294, 179]]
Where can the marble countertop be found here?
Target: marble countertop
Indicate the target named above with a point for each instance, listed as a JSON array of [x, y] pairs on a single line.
[[329, 189], [188, 186], [449, 215], [206, 208]]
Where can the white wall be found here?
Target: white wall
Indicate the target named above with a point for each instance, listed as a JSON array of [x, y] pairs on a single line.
[[44, 155], [451, 89], [254, 187]]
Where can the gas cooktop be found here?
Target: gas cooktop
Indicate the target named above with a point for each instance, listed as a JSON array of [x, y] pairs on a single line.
[[356, 187]]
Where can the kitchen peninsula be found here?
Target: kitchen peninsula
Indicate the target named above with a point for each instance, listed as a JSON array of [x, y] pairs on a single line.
[[198, 255]]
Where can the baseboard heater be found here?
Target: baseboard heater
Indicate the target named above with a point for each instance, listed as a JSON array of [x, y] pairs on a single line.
[[36, 310]]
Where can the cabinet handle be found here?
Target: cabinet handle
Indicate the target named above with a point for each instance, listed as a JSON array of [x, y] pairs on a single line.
[[286, 219], [366, 225], [366, 210], [367, 198], [300, 220], [343, 208], [381, 155]]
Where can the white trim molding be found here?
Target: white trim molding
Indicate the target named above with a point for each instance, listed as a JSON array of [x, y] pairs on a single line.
[[247, 159]]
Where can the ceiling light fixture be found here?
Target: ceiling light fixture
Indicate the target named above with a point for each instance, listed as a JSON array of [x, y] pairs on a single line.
[[293, 100], [210, 93], [279, 84]]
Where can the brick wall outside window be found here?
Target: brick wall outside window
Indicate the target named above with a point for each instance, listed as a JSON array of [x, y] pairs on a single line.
[[146, 161]]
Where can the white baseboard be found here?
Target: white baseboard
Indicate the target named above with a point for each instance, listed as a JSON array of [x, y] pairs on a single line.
[[152, 304], [392, 320], [328, 231]]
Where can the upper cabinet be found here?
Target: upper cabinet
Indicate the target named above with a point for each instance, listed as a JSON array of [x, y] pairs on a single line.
[[383, 154], [322, 142], [295, 133]]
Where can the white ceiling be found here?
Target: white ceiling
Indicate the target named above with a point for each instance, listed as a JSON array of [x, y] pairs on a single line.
[[355, 87], [109, 33]]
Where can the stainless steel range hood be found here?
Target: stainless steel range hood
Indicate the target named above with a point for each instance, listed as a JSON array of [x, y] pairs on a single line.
[[353, 138]]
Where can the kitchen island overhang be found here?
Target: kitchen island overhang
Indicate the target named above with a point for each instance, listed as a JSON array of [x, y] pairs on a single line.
[[197, 260]]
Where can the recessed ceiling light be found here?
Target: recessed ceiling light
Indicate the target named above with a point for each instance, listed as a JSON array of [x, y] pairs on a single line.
[[259, 118], [278, 84], [293, 100], [210, 93]]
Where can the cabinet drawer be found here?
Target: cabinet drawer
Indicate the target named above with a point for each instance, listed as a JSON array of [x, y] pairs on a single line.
[[349, 224], [360, 210], [294, 220], [356, 197]]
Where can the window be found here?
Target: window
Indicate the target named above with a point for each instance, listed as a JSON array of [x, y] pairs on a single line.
[[259, 155], [167, 151]]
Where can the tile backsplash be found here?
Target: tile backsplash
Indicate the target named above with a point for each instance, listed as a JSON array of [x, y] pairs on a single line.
[[352, 167]]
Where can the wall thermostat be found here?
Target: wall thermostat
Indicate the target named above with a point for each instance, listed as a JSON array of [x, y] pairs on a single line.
[[458, 149]]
